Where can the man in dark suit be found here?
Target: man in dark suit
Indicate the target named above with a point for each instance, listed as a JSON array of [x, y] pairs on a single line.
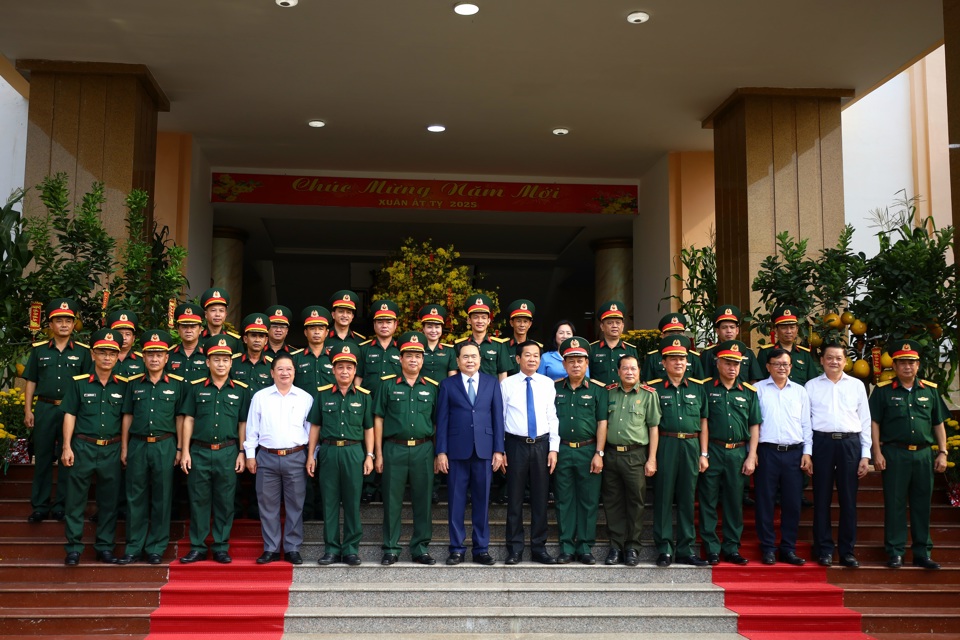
[[469, 448]]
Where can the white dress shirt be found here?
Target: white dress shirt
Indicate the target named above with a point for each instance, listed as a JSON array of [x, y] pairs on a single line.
[[786, 414], [278, 421], [840, 406], [514, 391], [476, 382]]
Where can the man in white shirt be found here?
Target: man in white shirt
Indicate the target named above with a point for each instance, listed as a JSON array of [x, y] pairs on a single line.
[[840, 418], [532, 441], [783, 456], [275, 442]]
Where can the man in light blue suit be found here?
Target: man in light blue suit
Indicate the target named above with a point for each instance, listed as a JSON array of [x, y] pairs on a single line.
[[469, 449]]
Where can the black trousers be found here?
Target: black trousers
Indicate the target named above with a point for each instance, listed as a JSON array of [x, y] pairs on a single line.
[[835, 461], [778, 469], [527, 463]]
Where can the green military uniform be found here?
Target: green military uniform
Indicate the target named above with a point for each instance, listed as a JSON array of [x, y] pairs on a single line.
[[193, 365], [52, 370], [131, 364], [377, 364], [255, 375], [630, 412], [577, 490], [604, 359], [233, 339], [343, 299], [211, 483], [216, 295], [804, 367], [906, 419], [342, 419], [517, 309], [750, 370], [653, 364], [95, 442], [279, 315], [151, 451], [494, 358], [409, 423], [730, 414], [442, 359]]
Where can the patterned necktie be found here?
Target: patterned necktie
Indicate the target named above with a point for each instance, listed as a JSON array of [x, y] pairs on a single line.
[[531, 411], [471, 392]]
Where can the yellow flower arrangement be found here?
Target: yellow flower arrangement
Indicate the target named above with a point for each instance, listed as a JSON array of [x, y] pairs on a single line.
[[952, 427]]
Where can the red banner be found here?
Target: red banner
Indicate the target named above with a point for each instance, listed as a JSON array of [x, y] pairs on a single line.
[[449, 195]]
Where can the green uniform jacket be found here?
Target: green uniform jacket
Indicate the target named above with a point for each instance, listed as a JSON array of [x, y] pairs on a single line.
[[653, 366], [378, 363], [731, 412], [439, 362], [804, 369], [268, 351], [510, 346], [631, 413], [579, 410], [187, 367], [408, 412], [233, 339], [53, 370], [494, 359], [154, 406], [217, 413], [906, 417], [130, 366], [333, 341], [604, 360], [681, 407], [255, 375], [342, 417], [750, 370], [312, 371], [97, 407]]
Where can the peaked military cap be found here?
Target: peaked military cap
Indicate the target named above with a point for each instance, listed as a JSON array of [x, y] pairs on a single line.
[[731, 350], [575, 346], [156, 340], [611, 309], [279, 314], [256, 322], [122, 319], [214, 295], [905, 350], [346, 351], [674, 345], [726, 312], [432, 313], [314, 315], [62, 308], [384, 310], [187, 313], [785, 314], [412, 341], [344, 299], [105, 339], [217, 345], [479, 303], [521, 309], [672, 322]]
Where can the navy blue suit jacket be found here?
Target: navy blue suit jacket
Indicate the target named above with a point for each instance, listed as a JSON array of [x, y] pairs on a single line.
[[463, 428]]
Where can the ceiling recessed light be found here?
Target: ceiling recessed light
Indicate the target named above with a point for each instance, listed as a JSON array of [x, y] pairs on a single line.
[[316, 124], [638, 17], [436, 128], [465, 9], [561, 131], [286, 4]]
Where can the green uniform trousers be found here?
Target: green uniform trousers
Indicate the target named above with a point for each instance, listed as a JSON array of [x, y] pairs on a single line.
[[341, 478], [149, 493], [624, 490], [678, 465], [908, 479], [211, 485], [103, 462], [47, 438], [725, 471], [577, 494], [402, 464]]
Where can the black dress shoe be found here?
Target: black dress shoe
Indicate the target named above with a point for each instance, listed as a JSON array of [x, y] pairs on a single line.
[[693, 561], [792, 558], [222, 557], [849, 560], [425, 558], [454, 558], [293, 557], [130, 558], [513, 558], [72, 559], [484, 558], [435, 498], [631, 558], [366, 498], [736, 558], [328, 559], [748, 501], [389, 559], [543, 557], [895, 562], [825, 561], [154, 558], [106, 557], [57, 515], [664, 560], [565, 558], [768, 557], [925, 563], [713, 559], [37, 516], [194, 556], [614, 556], [588, 559], [806, 504], [352, 560], [267, 557]]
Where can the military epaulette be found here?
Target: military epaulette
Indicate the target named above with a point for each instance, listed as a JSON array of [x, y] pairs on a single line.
[[138, 353], [705, 349], [268, 358], [695, 381], [884, 383], [765, 346], [459, 340], [652, 351], [655, 380], [242, 384], [174, 376], [749, 386], [802, 348], [595, 383], [360, 335], [444, 344], [694, 352], [632, 346], [136, 377], [122, 379], [365, 343], [594, 342], [40, 343], [296, 352], [706, 380], [389, 376], [431, 381], [325, 387], [82, 376], [929, 384], [82, 344], [233, 334], [540, 344], [236, 355], [500, 340], [648, 388], [612, 386], [198, 381], [362, 390]]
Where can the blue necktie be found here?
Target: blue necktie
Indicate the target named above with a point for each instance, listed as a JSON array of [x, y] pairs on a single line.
[[531, 411], [471, 392]]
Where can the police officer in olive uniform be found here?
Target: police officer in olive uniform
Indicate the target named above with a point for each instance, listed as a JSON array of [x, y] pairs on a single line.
[[906, 419], [582, 411], [343, 305], [92, 417], [215, 302], [150, 447], [680, 454], [404, 424], [49, 372], [129, 362], [786, 326], [520, 313], [439, 358], [495, 358], [280, 317], [733, 419], [672, 324], [215, 413], [187, 359], [605, 353], [726, 324], [341, 424]]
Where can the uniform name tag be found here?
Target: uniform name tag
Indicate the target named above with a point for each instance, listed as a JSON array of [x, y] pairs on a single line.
[[424, 393], [587, 397], [89, 395], [233, 397], [491, 353], [73, 357], [690, 395], [355, 404], [169, 392], [922, 399], [740, 399], [116, 395]]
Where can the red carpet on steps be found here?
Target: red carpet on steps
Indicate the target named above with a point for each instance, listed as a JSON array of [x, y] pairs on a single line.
[[239, 600]]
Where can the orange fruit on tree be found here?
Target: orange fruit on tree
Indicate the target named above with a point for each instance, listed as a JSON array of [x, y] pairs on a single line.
[[887, 374], [847, 318], [861, 369], [815, 339], [20, 369], [833, 321], [848, 366], [935, 330], [858, 327], [886, 361]]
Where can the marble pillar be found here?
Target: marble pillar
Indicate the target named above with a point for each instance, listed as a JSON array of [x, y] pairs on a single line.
[[613, 267], [227, 268]]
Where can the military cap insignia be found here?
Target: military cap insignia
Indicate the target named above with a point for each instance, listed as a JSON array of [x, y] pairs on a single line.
[[524, 306], [346, 349], [154, 338], [433, 312], [479, 301], [222, 342], [314, 314], [278, 312], [346, 297], [65, 306], [414, 339], [216, 294], [575, 344], [728, 312], [674, 320], [735, 347], [188, 311], [109, 336], [384, 307], [258, 320], [123, 317], [677, 343], [906, 347], [786, 312], [613, 307]]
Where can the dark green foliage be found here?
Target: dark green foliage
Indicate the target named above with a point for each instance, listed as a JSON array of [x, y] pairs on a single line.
[[698, 299]]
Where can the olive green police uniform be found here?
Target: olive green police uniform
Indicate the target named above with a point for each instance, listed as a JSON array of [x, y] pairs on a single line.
[[604, 359], [342, 420], [52, 370], [98, 409], [577, 490], [907, 419], [151, 451]]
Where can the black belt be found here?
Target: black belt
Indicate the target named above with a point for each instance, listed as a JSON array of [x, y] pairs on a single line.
[[527, 440], [100, 442], [908, 447], [214, 446], [622, 448], [782, 447], [55, 403], [284, 452], [837, 435], [340, 443], [677, 434], [152, 438], [409, 443], [729, 445], [577, 445]]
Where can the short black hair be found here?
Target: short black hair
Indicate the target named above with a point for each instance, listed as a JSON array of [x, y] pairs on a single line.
[[630, 357], [281, 355], [466, 343], [528, 343], [777, 352]]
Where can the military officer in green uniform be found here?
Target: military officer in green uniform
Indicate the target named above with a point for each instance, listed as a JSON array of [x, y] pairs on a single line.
[[680, 454], [605, 353], [215, 414], [150, 448], [92, 420], [49, 371], [404, 424], [215, 302], [341, 425], [726, 324], [280, 317], [632, 411], [495, 358], [520, 314], [670, 325], [906, 419], [129, 362], [733, 420], [439, 358], [582, 411], [343, 305], [187, 359], [786, 325]]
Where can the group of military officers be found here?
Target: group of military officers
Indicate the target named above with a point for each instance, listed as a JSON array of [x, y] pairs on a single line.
[[345, 410]]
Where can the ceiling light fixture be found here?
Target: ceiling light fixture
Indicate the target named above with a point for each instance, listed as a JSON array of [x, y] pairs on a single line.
[[436, 128], [316, 124], [638, 17], [286, 4], [465, 9], [561, 131]]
